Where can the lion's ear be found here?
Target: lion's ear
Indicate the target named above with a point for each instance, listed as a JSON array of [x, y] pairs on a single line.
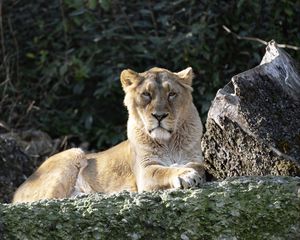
[[186, 76], [128, 77]]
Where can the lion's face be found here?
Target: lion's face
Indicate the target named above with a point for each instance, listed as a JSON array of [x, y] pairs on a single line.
[[157, 99]]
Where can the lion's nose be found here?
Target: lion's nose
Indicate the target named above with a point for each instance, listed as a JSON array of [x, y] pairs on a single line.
[[160, 116]]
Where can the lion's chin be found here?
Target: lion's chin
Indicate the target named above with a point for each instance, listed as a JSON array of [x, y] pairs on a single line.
[[160, 134]]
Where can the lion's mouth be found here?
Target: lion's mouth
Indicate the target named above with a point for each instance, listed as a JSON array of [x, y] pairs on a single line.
[[160, 128], [160, 133]]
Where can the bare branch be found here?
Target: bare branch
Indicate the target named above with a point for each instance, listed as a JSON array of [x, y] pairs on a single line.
[[258, 39], [288, 46]]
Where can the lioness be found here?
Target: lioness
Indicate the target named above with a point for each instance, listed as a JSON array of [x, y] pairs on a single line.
[[162, 151]]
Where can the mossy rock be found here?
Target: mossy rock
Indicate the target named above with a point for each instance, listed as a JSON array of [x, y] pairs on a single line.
[[238, 208]]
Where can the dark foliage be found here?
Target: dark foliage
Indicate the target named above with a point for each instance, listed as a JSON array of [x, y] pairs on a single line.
[[61, 59]]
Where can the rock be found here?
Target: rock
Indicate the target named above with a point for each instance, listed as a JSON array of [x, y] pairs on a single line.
[[35, 143], [253, 125], [238, 208], [15, 166], [20, 154]]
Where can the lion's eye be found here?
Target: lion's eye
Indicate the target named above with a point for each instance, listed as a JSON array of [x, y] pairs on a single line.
[[146, 95], [172, 95]]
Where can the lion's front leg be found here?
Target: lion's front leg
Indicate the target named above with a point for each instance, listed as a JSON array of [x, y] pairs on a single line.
[[155, 177]]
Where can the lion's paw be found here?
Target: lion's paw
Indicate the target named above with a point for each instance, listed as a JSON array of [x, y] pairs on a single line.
[[186, 179]]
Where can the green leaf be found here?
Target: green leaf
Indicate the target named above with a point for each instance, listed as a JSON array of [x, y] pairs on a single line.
[[30, 55], [88, 122], [288, 11], [92, 4], [105, 4]]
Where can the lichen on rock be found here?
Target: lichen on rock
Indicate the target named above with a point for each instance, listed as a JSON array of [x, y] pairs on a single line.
[[253, 125], [238, 208]]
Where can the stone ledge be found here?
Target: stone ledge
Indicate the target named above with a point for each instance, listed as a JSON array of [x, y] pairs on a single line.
[[237, 208]]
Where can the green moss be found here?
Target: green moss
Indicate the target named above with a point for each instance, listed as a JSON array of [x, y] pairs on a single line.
[[241, 208]]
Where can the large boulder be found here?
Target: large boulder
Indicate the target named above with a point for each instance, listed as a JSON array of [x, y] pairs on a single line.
[[253, 125], [239, 208]]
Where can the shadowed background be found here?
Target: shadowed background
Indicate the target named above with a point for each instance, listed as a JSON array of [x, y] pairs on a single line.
[[60, 60]]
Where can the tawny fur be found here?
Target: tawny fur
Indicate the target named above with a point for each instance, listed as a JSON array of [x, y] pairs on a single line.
[[162, 151]]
